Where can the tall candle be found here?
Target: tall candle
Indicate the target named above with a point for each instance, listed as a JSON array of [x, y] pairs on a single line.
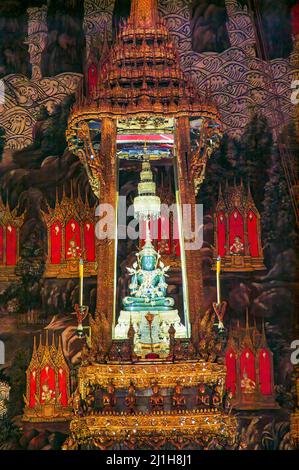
[[218, 268], [81, 275]]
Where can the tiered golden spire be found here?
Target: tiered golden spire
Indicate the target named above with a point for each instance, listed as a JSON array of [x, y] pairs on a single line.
[[143, 73]]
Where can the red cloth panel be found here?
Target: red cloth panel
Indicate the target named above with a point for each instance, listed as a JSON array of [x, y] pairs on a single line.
[[164, 244], [47, 377], [56, 243], [1, 245], [221, 234], [252, 234], [265, 372], [176, 237], [89, 241], [72, 233], [62, 386], [231, 370], [11, 245], [236, 227]]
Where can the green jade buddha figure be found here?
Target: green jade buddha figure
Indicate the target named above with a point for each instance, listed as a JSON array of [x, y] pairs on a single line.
[[148, 287]]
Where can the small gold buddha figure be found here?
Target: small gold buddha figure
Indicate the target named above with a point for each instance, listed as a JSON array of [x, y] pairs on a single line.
[[76, 402], [227, 401], [203, 397], [109, 399], [131, 399], [156, 400], [178, 399], [237, 248], [216, 396], [247, 385], [89, 399], [48, 395]]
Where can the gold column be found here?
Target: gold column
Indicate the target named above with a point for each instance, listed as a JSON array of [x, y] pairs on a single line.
[[187, 196], [105, 249]]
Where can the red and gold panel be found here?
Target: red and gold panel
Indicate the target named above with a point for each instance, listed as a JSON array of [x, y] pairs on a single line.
[[47, 384], [265, 372], [62, 387], [72, 239], [247, 371], [252, 234], [231, 370], [11, 245], [89, 241], [164, 244], [1, 245], [56, 242], [32, 388], [176, 237], [236, 227], [221, 234]]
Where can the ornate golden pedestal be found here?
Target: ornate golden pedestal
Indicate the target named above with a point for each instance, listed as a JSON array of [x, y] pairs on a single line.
[[191, 426]]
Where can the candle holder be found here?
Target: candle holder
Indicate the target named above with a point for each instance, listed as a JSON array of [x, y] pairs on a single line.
[[81, 314], [220, 310]]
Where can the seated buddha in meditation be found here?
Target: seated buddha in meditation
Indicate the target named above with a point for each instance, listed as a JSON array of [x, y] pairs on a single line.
[[148, 287]]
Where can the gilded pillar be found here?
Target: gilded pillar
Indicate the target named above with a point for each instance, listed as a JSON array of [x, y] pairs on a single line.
[[106, 247], [187, 196]]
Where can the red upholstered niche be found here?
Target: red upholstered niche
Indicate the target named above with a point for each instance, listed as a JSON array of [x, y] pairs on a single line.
[[62, 386], [221, 234], [231, 370], [11, 245], [72, 239], [1, 245], [47, 383], [176, 237], [247, 367], [33, 389], [89, 241], [56, 242], [236, 227], [252, 234], [92, 78], [164, 241], [265, 372]]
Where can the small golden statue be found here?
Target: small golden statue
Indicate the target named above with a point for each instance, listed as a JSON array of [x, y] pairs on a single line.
[[178, 399], [89, 399], [131, 399], [76, 402], [203, 397], [247, 385], [216, 396], [156, 400], [48, 395], [109, 399]]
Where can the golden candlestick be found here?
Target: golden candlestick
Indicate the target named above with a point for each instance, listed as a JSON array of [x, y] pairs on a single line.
[[81, 277], [218, 269]]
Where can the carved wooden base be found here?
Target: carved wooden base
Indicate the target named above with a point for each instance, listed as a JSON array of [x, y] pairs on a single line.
[[7, 273], [47, 413], [241, 263], [70, 269]]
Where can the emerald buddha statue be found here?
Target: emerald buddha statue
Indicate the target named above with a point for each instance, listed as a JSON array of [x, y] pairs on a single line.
[[148, 287]]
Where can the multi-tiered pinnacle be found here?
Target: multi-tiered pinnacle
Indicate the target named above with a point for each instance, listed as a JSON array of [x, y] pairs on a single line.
[[143, 73], [147, 205]]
